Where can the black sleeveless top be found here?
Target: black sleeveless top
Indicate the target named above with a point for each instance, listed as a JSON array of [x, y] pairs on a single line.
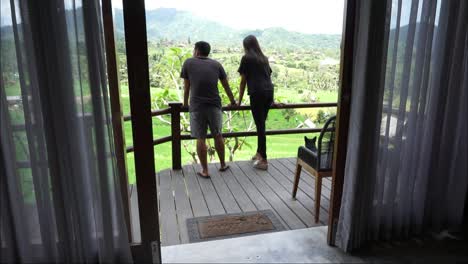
[[258, 74]]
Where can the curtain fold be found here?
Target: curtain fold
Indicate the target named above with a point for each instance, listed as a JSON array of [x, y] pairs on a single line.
[[60, 199], [406, 170]]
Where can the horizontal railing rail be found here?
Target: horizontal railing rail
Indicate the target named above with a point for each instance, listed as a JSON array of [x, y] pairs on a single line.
[[176, 108], [155, 142], [154, 113], [254, 133], [166, 111], [278, 106]]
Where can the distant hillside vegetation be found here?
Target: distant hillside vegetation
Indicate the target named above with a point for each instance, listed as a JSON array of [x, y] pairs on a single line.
[[180, 26]]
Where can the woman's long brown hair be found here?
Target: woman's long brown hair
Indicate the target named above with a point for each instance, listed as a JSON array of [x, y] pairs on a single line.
[[252, 49]]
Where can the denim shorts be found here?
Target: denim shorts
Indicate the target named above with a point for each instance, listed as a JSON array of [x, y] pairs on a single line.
[[209, 116]]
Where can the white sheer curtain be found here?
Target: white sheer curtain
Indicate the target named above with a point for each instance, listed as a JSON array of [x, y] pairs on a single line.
[[406, 171], [59, 193]]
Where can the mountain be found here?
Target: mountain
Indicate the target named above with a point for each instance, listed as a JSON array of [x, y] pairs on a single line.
[[180, 26]]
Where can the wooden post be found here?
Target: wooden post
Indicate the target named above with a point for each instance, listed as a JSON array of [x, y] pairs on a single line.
[[116, 109], [342, 118], [175, 132], [142, 125]]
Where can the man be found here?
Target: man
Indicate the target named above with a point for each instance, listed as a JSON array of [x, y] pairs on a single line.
[[201, 75]]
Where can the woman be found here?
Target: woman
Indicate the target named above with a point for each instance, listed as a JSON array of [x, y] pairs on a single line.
[[255, 72]]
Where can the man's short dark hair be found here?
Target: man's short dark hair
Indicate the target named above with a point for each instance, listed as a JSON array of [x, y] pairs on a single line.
[[203, 48]]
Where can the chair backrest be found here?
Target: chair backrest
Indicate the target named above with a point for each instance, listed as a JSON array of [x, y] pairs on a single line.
[[326, 143]]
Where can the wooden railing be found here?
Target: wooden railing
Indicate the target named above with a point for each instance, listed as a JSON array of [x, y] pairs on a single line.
[[175, 108]]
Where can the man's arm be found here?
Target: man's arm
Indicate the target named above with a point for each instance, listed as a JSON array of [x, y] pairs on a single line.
[[243, 83], [227, 88], [186, 91]]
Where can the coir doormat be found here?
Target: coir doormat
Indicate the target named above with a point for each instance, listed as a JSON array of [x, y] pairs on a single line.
[[232, 225]]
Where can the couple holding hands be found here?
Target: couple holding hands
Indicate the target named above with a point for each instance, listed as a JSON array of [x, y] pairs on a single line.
[[201, 75]]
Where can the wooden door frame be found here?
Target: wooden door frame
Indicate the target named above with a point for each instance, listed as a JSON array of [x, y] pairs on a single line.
[[149, 250], [342, 118], [137, 54], [116, 110]]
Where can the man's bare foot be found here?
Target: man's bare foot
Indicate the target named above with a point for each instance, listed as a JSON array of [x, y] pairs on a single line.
[[224, 168], [203, 175]]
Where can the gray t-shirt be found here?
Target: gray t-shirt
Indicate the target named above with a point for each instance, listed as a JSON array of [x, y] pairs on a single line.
[[203, 74]]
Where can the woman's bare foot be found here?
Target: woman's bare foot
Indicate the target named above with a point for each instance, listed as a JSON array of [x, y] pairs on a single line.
[[203, 174], [261, 164]]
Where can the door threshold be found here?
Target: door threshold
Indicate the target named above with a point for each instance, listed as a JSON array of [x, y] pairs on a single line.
[[301, 245]]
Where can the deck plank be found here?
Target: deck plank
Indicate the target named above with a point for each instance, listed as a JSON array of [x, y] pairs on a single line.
[[306, 201], [225, 195], [254, 194], [325, 181], [280, 207], [305, 175], [307, 187], [288, 170], [197, 200], [299, 210], [211, 197], [182, 204], [243, 200], [170, 230]]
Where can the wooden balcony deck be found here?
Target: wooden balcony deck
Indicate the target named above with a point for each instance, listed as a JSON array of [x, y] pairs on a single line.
[[182, 195]]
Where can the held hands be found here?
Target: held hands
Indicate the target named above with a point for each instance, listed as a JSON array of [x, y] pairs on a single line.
[[239, 103], [275, 104]]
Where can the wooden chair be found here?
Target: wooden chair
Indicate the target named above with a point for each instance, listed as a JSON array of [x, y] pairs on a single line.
[[317, 162]]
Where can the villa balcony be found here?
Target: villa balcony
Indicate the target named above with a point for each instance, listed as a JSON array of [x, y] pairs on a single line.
[[183, 195]]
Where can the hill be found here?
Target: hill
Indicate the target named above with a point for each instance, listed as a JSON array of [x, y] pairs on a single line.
[[180, 26]]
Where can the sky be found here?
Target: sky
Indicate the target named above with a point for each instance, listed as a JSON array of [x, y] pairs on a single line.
[[305, 16]]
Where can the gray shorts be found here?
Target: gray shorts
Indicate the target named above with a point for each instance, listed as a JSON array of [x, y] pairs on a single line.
[[211, 116]]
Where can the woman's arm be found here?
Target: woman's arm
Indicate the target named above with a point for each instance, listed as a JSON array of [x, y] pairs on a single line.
[[243, 83]]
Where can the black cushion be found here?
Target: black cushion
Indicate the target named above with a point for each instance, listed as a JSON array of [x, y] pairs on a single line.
[[311, 158], [308, 156]]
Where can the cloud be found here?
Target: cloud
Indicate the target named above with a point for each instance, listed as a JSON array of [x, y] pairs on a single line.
[[5, 13]]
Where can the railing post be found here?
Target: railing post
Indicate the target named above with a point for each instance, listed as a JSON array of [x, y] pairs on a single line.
[[175, 133]]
